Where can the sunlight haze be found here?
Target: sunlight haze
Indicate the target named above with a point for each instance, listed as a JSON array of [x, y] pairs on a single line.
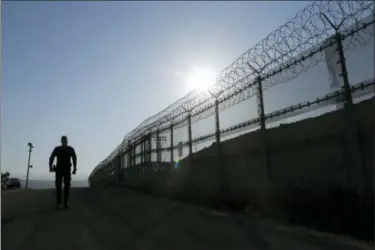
[[95, 70]]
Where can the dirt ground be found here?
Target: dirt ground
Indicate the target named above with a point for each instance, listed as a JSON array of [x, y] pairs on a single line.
[[117, 218]]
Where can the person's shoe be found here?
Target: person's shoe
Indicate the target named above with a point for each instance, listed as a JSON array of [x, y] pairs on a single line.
[[59, 206], [65, 206]]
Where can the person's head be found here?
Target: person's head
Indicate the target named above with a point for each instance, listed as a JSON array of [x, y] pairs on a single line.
[[64, 140]]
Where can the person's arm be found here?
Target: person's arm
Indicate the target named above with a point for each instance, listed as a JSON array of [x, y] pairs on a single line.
[[74, 157], [52, 157]]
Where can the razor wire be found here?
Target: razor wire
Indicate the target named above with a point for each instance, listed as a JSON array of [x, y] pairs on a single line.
[[283, 55], [270, 117], [292, 110]]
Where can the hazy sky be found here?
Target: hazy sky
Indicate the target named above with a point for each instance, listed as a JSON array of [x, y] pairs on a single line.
[[94, 70]]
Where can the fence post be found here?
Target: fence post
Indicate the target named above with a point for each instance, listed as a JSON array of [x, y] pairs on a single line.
[[120, 167], [150, 148], [190, 135], [145, 150], [353, 176], [142, 154], [130, 154], [172, 142], [121, 156], [158, 160], [352, 147], [344, 71], [262, 121], [217, 123], [134, 153], [142, 150], [225, 189]]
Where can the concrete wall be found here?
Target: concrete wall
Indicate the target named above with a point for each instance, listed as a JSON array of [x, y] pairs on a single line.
[[305, 154], [311, 177], [307, 159]]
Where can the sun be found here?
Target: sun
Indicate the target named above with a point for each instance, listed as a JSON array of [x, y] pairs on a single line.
[[201, 78]]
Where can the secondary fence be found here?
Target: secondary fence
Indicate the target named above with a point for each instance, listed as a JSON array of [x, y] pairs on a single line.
[[324, 31]]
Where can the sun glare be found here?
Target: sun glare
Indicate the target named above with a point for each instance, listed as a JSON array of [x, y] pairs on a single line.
[[201, 78]]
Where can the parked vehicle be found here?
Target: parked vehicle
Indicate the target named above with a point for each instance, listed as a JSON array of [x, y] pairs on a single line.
[[13, 183]]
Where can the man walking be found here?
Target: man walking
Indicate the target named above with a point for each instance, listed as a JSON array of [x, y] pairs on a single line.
[[62, 171]]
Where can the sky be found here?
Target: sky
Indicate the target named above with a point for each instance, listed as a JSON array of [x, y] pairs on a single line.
[[95, 70]]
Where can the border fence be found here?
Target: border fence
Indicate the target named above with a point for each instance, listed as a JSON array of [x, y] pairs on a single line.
[[286, 53]]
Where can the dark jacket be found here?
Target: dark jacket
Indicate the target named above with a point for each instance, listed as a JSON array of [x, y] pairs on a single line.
[[63, 155]]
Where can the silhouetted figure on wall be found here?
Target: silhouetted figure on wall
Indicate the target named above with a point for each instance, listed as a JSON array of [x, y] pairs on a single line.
[[63, 169]]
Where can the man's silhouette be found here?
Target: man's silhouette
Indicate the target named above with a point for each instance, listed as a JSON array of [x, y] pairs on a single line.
[[63, 154]]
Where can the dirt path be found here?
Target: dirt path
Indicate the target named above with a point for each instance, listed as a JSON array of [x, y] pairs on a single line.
[[116, 218]]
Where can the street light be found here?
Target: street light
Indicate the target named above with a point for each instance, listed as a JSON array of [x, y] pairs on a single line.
[[28, 163]]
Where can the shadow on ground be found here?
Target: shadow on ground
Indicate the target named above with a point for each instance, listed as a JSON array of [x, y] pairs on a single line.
[[41, 212], [336, 210]]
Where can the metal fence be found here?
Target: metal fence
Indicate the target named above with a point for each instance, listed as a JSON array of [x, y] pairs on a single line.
[[285, 54]]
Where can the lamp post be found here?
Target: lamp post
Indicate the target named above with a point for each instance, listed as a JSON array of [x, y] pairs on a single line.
[[28, 163]]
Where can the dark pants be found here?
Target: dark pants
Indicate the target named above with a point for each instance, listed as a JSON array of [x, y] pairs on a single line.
[[62, 174]]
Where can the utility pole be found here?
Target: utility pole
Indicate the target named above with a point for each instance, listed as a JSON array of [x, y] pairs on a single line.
[[28, 163]]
